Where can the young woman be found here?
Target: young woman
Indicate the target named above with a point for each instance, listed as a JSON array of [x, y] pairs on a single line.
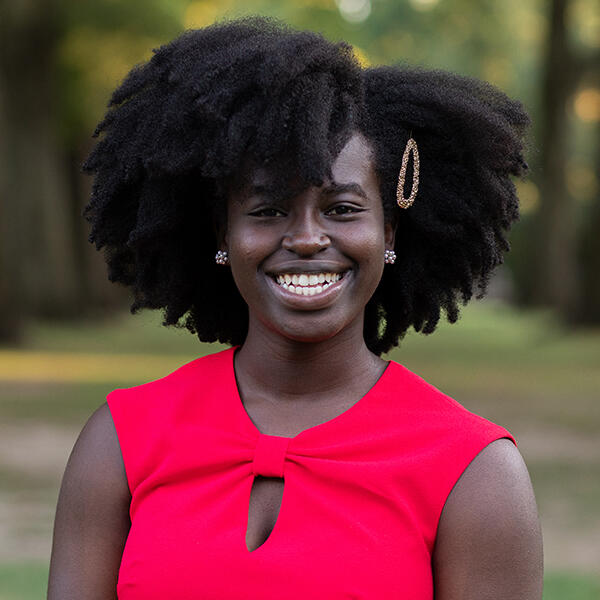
[[344, 205]]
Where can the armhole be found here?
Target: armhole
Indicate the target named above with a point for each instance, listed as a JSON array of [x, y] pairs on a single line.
[[113, 416]]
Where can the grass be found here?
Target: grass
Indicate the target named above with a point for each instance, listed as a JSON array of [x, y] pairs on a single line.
[[519, 369], [23, 581], [29, 582]]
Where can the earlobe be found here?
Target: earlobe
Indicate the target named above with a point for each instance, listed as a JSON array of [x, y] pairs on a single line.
[[222, 255], [222, 242], [220, 231]]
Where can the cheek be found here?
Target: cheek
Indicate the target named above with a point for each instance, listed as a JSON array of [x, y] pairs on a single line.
[[246, 246], [372, 245], [373, 259], [247, 252]]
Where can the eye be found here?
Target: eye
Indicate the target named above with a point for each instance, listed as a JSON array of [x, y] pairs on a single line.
[[341, 210], [267, 211]]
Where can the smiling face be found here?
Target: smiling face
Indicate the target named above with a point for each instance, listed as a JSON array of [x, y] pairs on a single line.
[[307, 263]]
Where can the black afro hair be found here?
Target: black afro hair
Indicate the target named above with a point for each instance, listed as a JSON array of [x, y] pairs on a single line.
[[181, 127]]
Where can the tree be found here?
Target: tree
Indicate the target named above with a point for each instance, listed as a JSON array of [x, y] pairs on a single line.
[[36, 249], [589, 305], [45, 123], [559, 278]]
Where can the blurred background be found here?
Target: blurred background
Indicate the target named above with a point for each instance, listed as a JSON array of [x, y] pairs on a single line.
[[528, 357]]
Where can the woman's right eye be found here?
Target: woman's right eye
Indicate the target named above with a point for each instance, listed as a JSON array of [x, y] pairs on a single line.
[[267, 211]]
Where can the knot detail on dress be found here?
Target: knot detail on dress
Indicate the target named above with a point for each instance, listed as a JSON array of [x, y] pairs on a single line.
[[269, 455]]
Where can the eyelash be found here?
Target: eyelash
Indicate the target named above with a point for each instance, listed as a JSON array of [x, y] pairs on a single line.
[[332, 211], [261, 212], [348, 210]]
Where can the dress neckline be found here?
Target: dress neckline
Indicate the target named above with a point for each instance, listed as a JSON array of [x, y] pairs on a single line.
[[247, 422]]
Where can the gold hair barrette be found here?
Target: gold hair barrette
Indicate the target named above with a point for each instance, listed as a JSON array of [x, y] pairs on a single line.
[[411, 146]]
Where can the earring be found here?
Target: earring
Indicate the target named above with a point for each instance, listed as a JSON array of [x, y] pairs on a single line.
[[389, 257], [411, 146], [222, 257]]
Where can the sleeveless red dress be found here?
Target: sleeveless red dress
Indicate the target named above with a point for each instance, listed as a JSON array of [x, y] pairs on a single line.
[[362, 497]]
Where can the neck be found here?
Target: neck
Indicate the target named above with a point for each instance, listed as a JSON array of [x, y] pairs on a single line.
[[282, 368]]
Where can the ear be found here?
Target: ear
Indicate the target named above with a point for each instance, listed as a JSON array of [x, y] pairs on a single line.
[[389, 235], [220, 230], [222, 242]]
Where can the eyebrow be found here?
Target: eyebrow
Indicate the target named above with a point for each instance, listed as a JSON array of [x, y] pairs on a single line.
[[261, 189], [340, 188], [330, 189], [270, 191]]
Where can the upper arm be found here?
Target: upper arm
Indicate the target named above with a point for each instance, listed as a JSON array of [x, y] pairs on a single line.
[[489, 543], [92, 516]]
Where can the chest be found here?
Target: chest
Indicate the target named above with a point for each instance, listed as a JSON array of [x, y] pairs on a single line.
[[263, 509], [267, 492], [332, 534]]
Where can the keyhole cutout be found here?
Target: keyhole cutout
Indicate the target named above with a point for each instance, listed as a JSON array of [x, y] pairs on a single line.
[[265, 503]]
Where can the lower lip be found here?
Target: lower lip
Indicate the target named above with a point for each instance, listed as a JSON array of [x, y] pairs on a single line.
[[316, 301]]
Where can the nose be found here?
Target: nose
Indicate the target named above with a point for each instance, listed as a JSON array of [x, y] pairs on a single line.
[[306, 235]]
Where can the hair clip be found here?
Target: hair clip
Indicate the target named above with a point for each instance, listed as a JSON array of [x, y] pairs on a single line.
[[411, 146]]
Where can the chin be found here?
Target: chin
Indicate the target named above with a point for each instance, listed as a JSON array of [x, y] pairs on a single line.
[[309, 333]]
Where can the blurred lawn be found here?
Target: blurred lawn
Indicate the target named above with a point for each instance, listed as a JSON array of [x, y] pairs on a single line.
[[28, 582], [521, 370]]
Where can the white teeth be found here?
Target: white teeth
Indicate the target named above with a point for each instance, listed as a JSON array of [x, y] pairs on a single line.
[[307, 284]]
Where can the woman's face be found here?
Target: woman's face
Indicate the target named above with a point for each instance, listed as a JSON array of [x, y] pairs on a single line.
[[307, 263]]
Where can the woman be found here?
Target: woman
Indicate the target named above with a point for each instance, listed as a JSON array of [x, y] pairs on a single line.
[[299, 463]]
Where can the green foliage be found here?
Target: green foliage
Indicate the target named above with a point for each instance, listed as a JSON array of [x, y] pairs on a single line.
[[101, 40]]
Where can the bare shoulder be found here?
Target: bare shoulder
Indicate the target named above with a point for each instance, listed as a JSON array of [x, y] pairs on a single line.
[[489, 542], [92, 515], [96, 456]]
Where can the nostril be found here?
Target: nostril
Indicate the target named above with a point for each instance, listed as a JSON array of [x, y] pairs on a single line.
[[306, 244]]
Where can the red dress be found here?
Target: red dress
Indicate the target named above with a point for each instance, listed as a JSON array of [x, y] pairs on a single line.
[[362, 497]]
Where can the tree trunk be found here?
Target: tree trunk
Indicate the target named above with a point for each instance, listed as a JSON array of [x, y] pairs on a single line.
[[589, 311], [555, 253], [10, 310], [36, 251]]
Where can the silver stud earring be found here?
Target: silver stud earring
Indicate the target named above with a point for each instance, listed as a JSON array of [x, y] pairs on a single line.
[[222, 257], [389, 257]]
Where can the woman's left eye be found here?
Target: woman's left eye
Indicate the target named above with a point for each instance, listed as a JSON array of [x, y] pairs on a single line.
[[266, 212], [342, 209]]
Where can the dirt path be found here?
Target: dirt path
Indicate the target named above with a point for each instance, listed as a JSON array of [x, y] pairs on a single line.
[[32, 460]]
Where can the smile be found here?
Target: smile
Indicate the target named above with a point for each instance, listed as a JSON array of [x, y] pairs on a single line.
[[307, 284]]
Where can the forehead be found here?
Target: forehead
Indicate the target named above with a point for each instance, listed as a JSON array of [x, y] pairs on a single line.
[[354, 164]]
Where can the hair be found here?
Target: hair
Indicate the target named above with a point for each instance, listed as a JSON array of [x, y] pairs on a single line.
[[182, 126]]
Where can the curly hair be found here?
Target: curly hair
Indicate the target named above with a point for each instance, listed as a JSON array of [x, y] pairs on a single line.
[[181, 127]]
